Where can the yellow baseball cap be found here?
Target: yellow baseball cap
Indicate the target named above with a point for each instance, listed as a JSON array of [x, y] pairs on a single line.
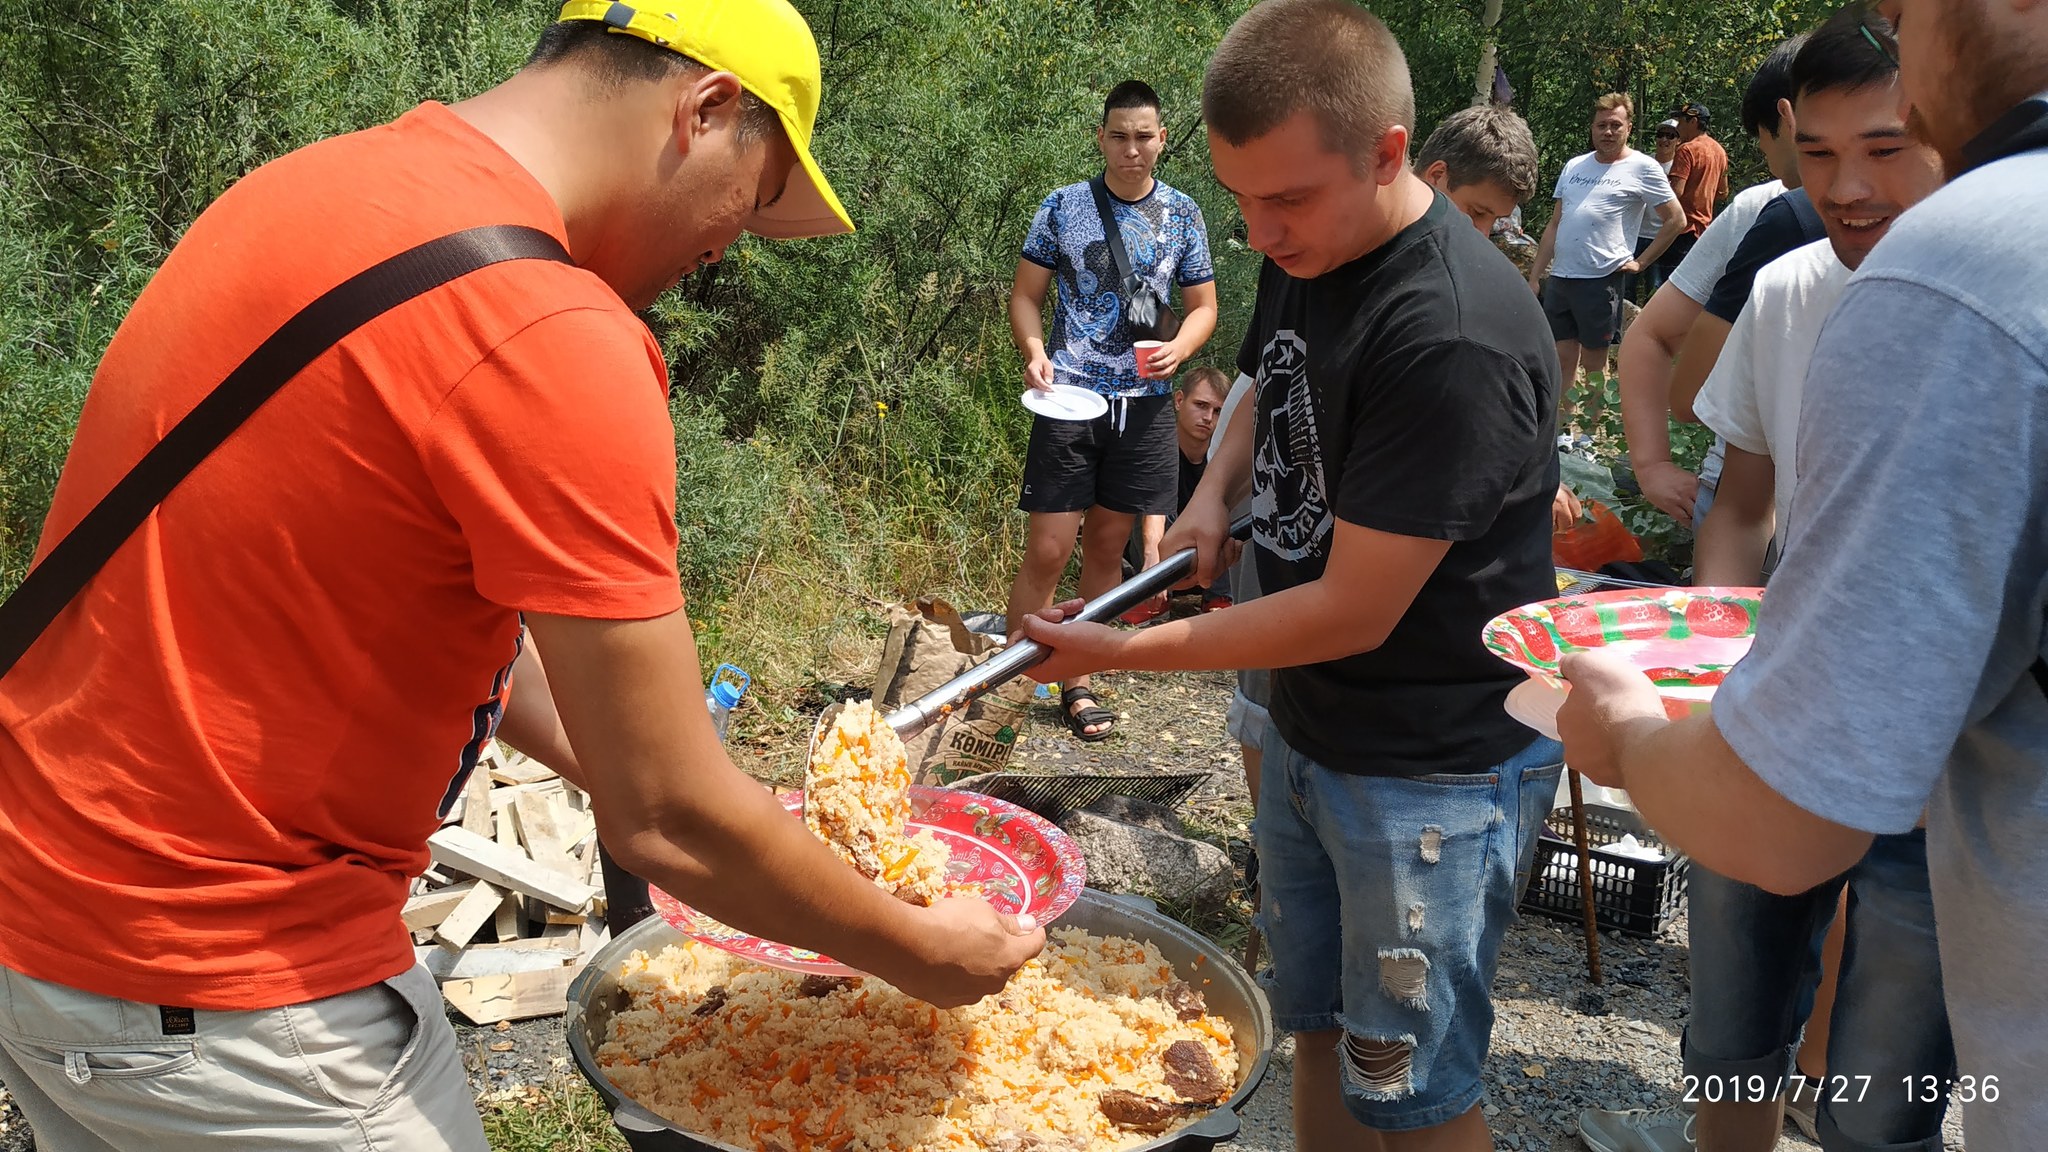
[[767, 44]]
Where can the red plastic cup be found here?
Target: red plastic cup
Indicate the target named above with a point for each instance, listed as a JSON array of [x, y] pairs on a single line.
[[1142, 351]]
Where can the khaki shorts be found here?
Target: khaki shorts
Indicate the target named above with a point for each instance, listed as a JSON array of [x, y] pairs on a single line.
[[374, 1070]]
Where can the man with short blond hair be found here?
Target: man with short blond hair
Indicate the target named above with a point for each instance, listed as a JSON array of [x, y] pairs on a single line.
[[1588, 248], [1401, 464]]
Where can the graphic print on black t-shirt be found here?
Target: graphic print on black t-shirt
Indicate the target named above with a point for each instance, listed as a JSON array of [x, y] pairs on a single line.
[[1290, 501], [1412, 392]]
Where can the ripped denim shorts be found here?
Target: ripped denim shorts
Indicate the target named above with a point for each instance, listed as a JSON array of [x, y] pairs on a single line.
[[1385, 899]]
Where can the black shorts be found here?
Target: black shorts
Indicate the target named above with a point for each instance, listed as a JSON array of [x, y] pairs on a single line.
[[1126, 460], [1588, 311]]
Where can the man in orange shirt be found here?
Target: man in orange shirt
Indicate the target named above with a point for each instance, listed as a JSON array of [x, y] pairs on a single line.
[[220, 764], [1699, 178]]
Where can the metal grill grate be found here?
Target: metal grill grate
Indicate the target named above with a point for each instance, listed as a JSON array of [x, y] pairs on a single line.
[[1054, 796]]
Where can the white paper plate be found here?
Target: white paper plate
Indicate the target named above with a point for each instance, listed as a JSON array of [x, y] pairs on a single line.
[[1535, 703], [1066, 402]]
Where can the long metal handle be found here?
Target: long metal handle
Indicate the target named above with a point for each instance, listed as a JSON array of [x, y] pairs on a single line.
[[1025, 655]]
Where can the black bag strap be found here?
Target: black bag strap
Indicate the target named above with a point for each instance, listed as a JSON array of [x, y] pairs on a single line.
[[1112, 234], [319, 326], [1801, 203]]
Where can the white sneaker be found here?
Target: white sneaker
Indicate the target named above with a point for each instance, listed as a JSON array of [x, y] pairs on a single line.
[[1637, 1130], [1801, 1109]]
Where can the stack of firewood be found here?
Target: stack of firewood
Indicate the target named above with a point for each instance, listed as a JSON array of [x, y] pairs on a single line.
[[514, 905]]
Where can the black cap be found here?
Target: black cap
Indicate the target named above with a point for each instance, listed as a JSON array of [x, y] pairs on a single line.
[[1697, 111]]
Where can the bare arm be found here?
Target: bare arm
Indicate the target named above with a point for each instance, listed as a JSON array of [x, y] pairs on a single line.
[[1150, 529], [1696, 359], [1691, 786], [1367, 585], [1737, 531], [1647, 351], [531, 723], [1195, 329], [672, 808], [1674, 227], [1546, 248], [1027, 321]]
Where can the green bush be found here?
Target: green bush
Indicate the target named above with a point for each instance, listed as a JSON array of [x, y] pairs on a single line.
[[846, 410]]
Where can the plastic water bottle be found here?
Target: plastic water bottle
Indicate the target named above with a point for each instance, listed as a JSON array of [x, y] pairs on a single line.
[[728, 683]]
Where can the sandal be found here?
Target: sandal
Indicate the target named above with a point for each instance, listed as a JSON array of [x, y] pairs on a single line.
[[1094, 716]]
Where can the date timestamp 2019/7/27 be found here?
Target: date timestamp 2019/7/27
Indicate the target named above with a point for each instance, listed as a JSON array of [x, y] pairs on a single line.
[[1836, 1089]]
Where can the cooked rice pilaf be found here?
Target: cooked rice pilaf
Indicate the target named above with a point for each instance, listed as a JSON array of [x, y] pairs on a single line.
[[765, 1059], [857, 799]]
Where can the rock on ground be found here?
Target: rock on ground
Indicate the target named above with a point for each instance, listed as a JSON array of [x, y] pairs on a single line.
[[1132, 858]]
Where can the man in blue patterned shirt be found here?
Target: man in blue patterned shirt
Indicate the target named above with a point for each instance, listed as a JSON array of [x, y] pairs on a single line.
[[1094, 479]]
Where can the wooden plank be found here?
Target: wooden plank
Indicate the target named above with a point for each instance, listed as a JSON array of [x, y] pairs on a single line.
[[493, 960], [466, 852], [461, 924], [512, 913], [595, 935], [503, 795], [582, 827], [428, 909], [510, 920], [476, 802], [518, 996], [542, 820], [507, 769]]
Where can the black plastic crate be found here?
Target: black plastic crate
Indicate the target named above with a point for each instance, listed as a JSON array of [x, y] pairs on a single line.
[[1634, 897]]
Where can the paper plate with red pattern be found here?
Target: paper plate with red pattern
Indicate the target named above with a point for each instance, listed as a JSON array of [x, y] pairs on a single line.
[[1683, 639], [1021, 861]]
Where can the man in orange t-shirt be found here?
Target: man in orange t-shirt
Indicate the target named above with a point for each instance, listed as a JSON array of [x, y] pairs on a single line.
[[220, 764], [1699, 178]]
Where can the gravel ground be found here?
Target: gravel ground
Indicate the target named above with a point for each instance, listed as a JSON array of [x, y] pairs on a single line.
[[1559, 1043]]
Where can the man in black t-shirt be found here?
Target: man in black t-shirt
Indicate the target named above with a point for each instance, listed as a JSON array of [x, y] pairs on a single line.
[[1401, 468]]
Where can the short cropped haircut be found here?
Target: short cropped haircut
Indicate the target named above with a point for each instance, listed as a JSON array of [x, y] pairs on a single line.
[[1213, 377], [1772, 83], [1129, 94], [1854, 49], [1330, 57], [1482, 143], [615, 60], [1613, 100]]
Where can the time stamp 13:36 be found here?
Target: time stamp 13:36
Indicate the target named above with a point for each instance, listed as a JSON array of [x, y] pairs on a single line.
[[1839, 1089]]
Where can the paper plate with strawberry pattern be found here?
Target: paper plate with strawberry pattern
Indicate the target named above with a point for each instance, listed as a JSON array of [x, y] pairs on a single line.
[[1020, 861], [1684, 639]]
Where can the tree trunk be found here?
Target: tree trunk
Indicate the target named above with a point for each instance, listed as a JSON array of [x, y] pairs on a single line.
[[1489, 56]]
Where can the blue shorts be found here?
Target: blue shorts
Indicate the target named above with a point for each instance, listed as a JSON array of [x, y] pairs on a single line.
[[1368, 887], [1756, 963]]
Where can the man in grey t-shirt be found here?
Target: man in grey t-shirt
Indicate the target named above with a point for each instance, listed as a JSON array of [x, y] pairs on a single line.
[[1898, 667]]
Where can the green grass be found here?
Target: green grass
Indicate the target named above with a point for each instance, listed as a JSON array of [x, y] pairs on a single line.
[[566, 1116]]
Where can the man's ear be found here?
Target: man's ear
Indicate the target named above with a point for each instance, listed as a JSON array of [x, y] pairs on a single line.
[[1437, 175], [1392, 155], [1786, 123], [707, 104]]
